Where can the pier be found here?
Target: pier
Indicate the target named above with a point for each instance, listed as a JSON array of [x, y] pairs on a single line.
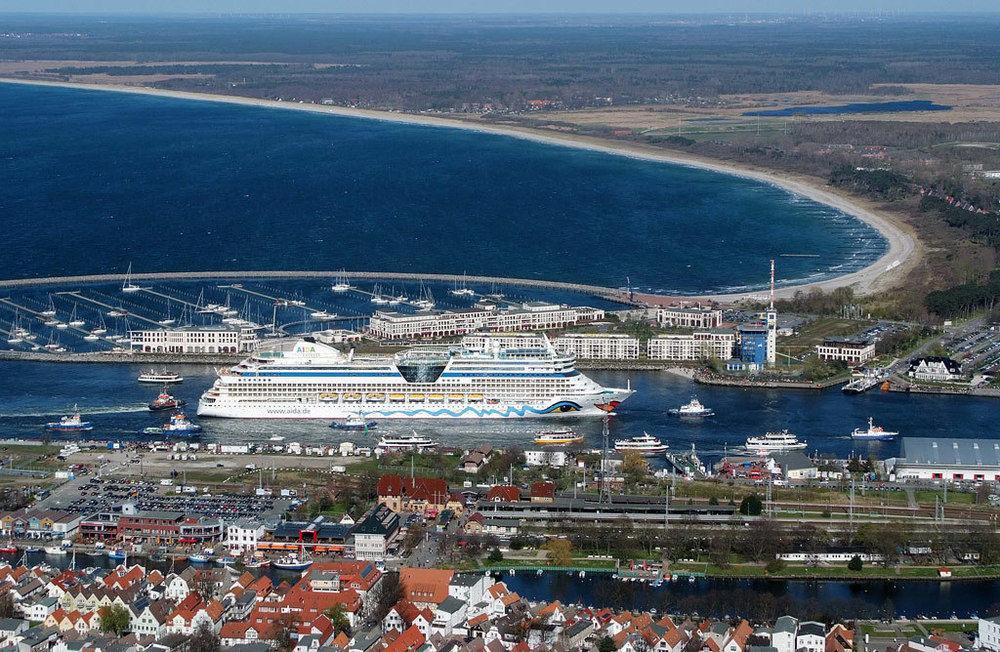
[[612, 294]]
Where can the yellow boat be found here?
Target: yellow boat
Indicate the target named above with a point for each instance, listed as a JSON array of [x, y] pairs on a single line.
[[397, 397], [376, 397], [557, 437], [416, 397], [436, 397], [456, 397], [352, 397], [475, 397], [328, 397]]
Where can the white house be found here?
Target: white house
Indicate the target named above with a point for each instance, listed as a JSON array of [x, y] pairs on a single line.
[[989, 634], [811, 637], [242, 535], [783, 634]]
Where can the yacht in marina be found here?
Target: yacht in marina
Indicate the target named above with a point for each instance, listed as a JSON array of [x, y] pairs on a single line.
[[75, 321], [50, 310], [645, 444], [341, 285], [692, 408], [128, 286], [774, 442], [322, 315], [300, 377]]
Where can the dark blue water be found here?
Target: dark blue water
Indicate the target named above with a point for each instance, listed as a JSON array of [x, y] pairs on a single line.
[[857, 107], [848, 599], [90, 181], [33, 393]]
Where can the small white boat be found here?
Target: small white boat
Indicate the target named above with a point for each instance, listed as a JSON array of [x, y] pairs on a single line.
[[693, 408], [160, 377], [322, 315], [55, 550], [874, 433]]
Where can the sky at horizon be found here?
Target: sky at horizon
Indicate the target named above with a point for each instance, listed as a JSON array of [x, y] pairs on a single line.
[[491, 6]]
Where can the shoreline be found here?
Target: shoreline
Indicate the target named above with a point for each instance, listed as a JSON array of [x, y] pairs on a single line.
[[902, 253]]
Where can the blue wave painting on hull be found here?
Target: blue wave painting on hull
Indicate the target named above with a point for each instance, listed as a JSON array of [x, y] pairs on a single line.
[[561, 406]]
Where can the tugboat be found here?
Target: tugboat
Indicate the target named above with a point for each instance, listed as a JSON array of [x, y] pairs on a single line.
[[557, 437], [353, 422], [165, 402], [874, 433], [694, 408], [72, 423], [178, 425], [645, 444]]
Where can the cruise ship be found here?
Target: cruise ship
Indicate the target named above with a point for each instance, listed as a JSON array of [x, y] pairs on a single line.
[[301, 378]]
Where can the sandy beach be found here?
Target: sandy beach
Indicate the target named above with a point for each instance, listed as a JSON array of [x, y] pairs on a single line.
[[903, 250]]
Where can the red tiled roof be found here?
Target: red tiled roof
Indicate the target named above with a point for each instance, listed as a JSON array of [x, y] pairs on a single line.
[[504, 492], [429, 489]]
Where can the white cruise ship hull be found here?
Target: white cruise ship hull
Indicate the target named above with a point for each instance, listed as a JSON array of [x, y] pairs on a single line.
[[589, 406]]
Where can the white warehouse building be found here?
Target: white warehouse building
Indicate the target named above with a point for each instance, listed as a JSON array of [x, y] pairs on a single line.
[[222, 338]]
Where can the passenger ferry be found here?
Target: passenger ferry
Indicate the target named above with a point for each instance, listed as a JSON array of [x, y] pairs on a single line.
[[874, 433], [558, 437], [645, 444], [160, 377], [301, 378], [412, 442], [72, 423], [693, 408], [774, 442]]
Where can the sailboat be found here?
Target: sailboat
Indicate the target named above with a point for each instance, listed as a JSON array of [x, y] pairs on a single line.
[[14, 337], [102, 327], [462, 291], [425, 301], [341, 285], [128, 286], [75, 321], [51, 310], [377, 297], [168, 320]]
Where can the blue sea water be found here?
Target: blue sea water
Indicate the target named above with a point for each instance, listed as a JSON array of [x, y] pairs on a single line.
[[91, 181], [856, 107]]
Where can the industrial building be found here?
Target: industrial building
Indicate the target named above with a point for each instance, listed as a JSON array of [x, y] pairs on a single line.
[[947, 459]]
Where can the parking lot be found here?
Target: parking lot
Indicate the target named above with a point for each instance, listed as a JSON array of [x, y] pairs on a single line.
[[103, 495]]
